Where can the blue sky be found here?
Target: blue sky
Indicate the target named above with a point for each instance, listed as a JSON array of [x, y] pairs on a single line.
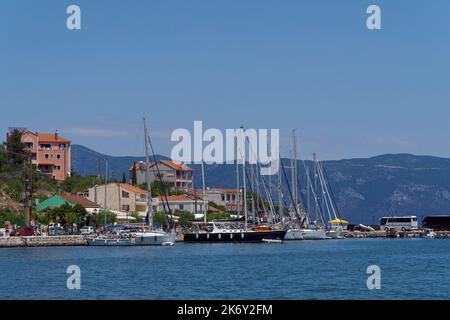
[[310, 65]]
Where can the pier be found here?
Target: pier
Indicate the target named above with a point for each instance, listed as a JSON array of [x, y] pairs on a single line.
[[43, 241]]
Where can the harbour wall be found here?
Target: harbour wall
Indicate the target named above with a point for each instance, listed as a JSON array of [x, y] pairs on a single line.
[[42, 241]]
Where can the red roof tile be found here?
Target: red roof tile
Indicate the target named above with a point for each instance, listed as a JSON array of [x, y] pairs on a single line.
[[51, 137], [132, 188], [86, 203]]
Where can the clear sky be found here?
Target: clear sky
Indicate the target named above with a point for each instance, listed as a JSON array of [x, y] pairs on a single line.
[[311, 65]]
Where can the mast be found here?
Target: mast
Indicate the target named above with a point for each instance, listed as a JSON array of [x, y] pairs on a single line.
[[147, 178], [294, 169], [204, 193], [106, 188], [238, 196], [243, 177], [280, 198], [252, 178], [315, 188]]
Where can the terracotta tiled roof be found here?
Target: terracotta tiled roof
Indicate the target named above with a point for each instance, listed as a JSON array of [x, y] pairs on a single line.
[[176, 198], [86, 203], [51, 137], [176, 165], [132, 188], [229, 190], [171, 164]]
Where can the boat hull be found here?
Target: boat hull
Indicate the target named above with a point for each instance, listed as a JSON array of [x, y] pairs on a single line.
[[311, 234], [155, 238], [110, 242], [334, 234], [244, 236], [293, 234]]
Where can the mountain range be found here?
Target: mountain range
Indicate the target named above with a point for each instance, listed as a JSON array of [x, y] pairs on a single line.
[[364, 188]]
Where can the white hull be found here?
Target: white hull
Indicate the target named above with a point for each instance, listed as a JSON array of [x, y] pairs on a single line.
[[314, 234], [294, 234], [334, 234], [110, 242], [155, 238]]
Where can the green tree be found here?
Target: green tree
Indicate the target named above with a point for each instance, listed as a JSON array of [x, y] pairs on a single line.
[[44, 218], [137, 217], [185, 218], [134, 175], [111, 218], [15, 149], [77, 183], [218, 207], [124, 179], [3, 156], [160, 188], [218, 216], [160, 218], [12, 217]]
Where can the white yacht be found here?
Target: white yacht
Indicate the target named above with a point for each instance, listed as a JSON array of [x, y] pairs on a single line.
[[314, 234], [155, 238], [152, 236], [294, 234]]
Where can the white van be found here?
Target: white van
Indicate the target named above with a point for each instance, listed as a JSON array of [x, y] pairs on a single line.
[[87, 230]]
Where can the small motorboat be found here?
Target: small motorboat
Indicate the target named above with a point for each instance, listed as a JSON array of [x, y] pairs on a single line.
[[272, 240]]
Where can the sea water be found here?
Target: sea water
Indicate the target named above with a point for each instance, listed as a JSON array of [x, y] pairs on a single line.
[[326, 269]]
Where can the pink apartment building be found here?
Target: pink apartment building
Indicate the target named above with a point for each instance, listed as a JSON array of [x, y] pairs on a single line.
[[49, 152]]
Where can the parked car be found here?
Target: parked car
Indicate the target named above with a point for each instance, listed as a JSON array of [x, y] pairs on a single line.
[[27, 231], [56, 231], [87, 230]]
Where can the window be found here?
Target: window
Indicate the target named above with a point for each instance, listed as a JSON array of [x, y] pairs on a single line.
[[58, 156], [126, 207], [181, 206], [29, 145], [56, 167], [223, 197], [125, 194], [46, 146], [47, 156]]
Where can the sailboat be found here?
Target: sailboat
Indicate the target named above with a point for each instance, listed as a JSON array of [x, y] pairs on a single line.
[[335, 231], [294, 231], [153, 236], [304, 228]]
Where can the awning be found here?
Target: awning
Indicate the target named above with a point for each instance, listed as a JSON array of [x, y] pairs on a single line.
[[337, 221]]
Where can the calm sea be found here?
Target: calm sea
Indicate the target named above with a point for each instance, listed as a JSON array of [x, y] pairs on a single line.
[[331, 269]]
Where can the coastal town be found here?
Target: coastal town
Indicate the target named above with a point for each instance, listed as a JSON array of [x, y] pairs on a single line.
[[59, 207]]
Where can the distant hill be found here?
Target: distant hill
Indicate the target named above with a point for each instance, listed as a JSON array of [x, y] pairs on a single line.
[[365, 189], [85, 162]]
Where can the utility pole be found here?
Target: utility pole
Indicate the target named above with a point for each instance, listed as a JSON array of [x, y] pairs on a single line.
[[28, 193]]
